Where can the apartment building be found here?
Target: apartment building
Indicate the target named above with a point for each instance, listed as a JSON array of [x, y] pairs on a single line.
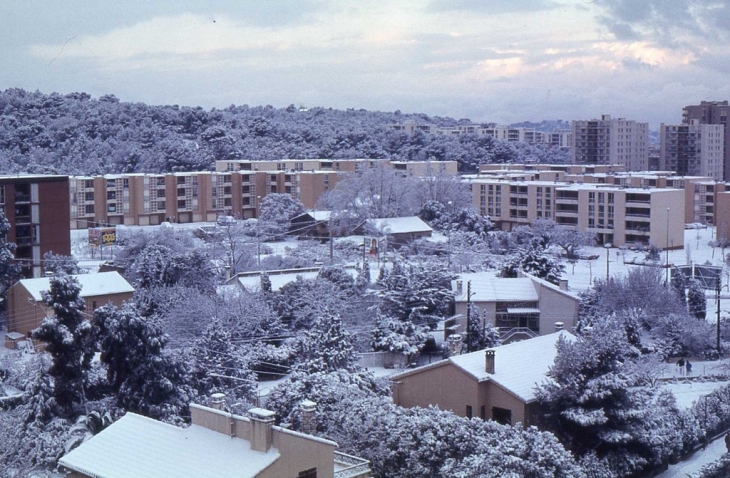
[[618, 215], [38, 213], [236, 188], [611, 141], [716, 113], [692, 149], [559, 138]]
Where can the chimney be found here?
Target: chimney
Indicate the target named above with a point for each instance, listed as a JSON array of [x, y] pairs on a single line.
[[455, 344], [559, 326], [228, 273], [459, 287], [489, 361], [262, 423], [309, 415], [563, 284], [218, 401]]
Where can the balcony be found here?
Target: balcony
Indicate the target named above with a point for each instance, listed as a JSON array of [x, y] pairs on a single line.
[[348, 466]]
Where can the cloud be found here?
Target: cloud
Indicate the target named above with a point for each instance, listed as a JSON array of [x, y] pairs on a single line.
[[490, 7]]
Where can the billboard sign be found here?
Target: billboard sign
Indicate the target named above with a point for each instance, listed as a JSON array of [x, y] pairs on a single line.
[[102, 236]]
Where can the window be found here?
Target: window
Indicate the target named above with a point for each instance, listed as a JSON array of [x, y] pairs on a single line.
[[181, 204], [468, 411], [89, 208], [483, 412], [89, 196], [181, 179], [502, 415], [310, 473]]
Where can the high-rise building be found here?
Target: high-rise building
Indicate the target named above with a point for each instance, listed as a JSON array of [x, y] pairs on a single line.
[[712, 112], [692, 149], [38, 211], [611, 141]]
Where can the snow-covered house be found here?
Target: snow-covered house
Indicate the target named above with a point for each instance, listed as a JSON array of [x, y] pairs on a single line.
[[311, 224], [26, 308], [519, 307], [218, 444], [399, 230], [497, 383]]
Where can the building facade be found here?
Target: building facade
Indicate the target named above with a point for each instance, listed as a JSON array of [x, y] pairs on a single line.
[[712, 112], [693, 149], [611, 141], [38, 213]]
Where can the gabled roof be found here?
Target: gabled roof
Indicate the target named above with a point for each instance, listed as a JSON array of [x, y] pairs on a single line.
[[487, 287], [518, 366], [100, 283], [314, 215], [135, 446], [399, 225]]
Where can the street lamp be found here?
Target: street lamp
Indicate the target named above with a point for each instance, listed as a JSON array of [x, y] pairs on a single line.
[[667, 250], [608, 253]]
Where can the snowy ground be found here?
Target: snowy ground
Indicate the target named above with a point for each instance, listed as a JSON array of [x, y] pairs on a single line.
[[693, 464]]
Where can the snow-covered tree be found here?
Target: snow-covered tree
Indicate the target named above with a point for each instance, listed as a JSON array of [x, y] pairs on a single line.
[[696, 299], [535, 261], [55, 263], [219, 367], [326, 347], [480, 333], [277, 210], [9, 269], [593, 405], [67, 334], [362, 280], [145, 379], [398, 336]]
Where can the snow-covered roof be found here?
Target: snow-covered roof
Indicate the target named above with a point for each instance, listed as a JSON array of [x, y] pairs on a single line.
[[487, 287], [399, 225], [253, 282], [100, 283], [137, 446], [518, 367]]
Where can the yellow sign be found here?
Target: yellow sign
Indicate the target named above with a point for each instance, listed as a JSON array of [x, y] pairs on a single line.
[[102, 236]]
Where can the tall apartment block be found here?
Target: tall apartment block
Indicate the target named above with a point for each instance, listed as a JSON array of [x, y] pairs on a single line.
[[38, 211], [618, 215], [611, 141], [693, 149], [712, 112]]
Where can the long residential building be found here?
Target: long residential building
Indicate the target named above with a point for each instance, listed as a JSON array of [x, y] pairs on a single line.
[[618, 215], [611, 141], [236, 188]]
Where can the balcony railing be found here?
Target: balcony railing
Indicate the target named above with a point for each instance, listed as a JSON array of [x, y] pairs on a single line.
[[350, 466]]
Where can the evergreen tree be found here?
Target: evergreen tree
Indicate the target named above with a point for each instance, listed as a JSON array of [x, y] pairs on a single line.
[[696, 300], [326, 347], [9, 269], [221, 368], [399, 336], [535, 261], [145, 379], [593, 405], [362, 280], [68, 337], [679, 285]]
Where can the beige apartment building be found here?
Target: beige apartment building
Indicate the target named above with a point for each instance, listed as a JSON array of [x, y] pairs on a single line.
[[715, 113], [618, 215], [236, 189], [692, 149], [611, 141]]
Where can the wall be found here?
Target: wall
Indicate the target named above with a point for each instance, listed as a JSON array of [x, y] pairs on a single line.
[[300, 452], [445, 385], [498, 397]]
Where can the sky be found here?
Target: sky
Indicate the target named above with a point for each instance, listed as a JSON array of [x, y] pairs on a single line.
[[501, 61]]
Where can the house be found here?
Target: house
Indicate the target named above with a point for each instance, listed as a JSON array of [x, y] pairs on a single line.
[[520, 307], [217, 444], [497, 383], [311, 224], [399, 230], [26, 308], [251, 281]]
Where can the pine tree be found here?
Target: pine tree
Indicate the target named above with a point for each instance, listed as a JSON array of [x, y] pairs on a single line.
[[220, 368], [68, 337], [145, 379], [327, 347], [9, 269], [696, 300]]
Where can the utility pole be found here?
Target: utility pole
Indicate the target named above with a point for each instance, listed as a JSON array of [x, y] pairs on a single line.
[[717, 292]]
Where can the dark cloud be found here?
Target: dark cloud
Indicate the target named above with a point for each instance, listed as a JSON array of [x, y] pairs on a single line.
[[663, 20], [488, 7]]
